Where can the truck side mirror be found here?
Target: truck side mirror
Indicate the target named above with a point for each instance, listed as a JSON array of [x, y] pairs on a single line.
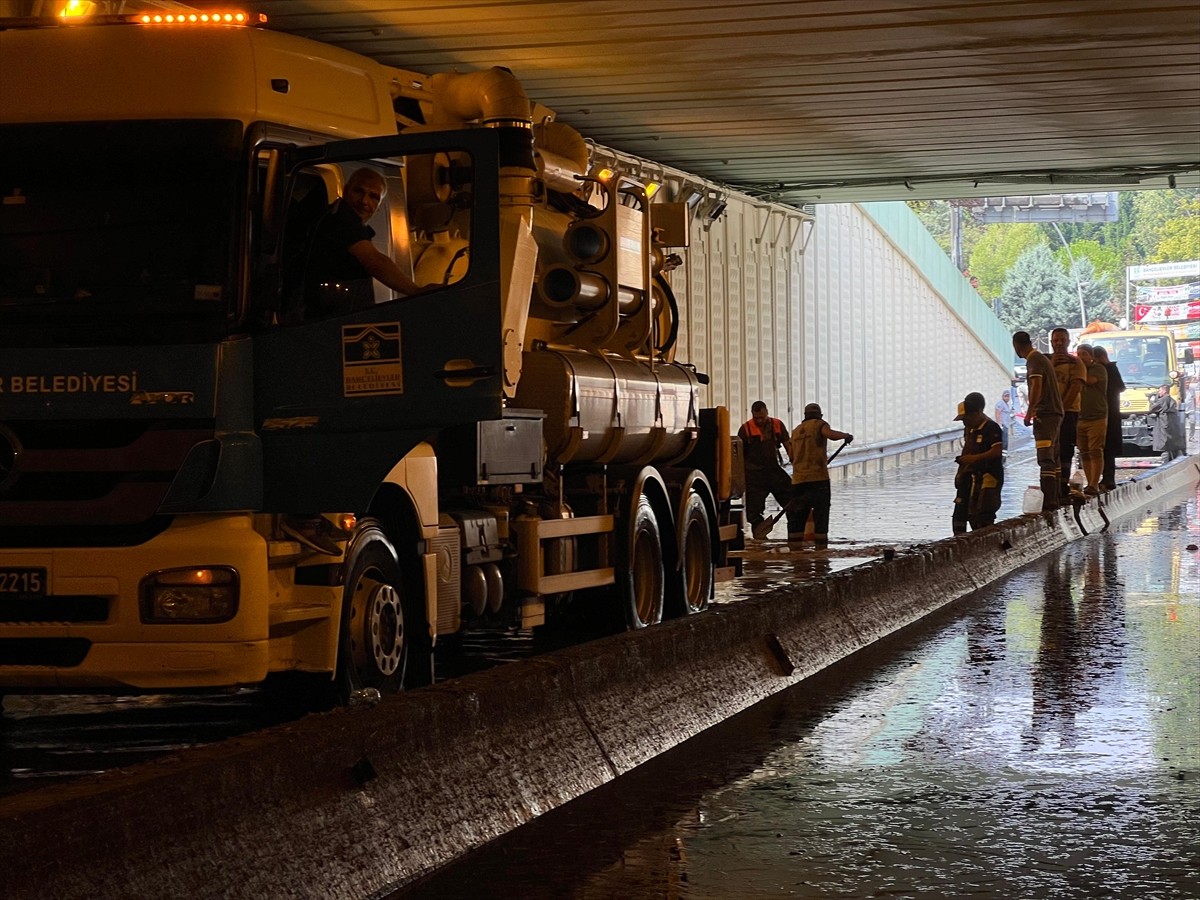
[[1188, 356]]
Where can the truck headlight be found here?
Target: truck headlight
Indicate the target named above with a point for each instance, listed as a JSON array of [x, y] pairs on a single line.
[[204, 595]]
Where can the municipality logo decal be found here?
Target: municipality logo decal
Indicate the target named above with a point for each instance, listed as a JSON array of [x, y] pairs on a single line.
[[371, 360]]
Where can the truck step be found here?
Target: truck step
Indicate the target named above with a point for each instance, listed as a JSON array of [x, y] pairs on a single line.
[[282, 615], [285, 553]]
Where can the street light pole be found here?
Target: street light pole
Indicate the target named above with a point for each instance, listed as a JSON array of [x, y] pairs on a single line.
[[1075, 272]]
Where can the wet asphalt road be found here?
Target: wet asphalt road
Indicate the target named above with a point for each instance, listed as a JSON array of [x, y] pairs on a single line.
[[1040, 738]]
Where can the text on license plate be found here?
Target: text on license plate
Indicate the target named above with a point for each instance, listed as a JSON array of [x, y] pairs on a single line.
[[23, 582]]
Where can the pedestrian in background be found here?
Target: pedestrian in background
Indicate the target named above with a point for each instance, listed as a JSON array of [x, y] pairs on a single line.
[[1005, 415], [1191, 406], [1069, 372], [810, 474], [1044, 413], [980, 475], [1093, 419], [763, 437], [1168, 428], [1114, 442]]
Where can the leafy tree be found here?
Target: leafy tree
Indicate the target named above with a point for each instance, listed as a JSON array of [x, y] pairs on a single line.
[[1114, 235], [1038, 296], [1103, 276], [1152, 210], [1098, 300], [935, 215], [1179, 237], [997, 251]]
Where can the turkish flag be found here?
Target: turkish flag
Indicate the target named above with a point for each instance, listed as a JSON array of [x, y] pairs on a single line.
[[1140, 312]]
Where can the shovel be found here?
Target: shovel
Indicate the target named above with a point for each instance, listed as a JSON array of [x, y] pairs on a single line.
[[763, 528]]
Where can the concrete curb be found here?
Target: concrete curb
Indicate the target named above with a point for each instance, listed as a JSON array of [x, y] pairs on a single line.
[[354, 803]]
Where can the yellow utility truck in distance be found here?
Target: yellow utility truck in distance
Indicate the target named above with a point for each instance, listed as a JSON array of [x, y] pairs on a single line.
[[179, 385], [1147, 360]]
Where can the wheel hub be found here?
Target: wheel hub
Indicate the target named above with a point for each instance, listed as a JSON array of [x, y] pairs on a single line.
[[383, 629]]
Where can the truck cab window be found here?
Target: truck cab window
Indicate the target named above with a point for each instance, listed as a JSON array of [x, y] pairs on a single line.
[[355, 237]]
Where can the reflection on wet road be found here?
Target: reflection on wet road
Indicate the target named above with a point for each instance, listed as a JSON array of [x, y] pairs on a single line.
[[1040, 738], [873, 513]]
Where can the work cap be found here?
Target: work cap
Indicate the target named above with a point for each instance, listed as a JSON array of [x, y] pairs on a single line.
[[812, 410], [972, 403]]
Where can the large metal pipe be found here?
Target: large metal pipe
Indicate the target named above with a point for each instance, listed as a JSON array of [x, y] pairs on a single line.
[[564, 286], [562, 155], [493, 96]]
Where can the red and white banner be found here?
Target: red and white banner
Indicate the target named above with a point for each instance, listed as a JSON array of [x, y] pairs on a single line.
[[1159, 314]]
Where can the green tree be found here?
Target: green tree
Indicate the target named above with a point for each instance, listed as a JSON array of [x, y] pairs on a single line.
[[997, 251], [1114, 235], [1098, 301], [1102, 272], [935, 216], [1152, 210], [1038, 296], [1179, 237]]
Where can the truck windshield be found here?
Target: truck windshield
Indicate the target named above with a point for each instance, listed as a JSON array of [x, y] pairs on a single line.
[[117, 232], [1142, 361]]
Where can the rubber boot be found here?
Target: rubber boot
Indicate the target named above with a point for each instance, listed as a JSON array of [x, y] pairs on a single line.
[[1050, 498]]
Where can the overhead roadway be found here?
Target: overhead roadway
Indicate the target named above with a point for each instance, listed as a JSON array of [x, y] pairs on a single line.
[[808, 101], [821, 101]]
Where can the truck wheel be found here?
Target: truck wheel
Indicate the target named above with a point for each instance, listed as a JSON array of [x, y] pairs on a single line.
[[641, 581], [374, 637], [695, 582]]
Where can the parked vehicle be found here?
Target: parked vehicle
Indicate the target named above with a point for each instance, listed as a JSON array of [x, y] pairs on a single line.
[[1147, 359]]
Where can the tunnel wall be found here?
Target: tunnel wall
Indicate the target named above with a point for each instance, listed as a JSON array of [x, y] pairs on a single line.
[[356, 802], [863, 314]]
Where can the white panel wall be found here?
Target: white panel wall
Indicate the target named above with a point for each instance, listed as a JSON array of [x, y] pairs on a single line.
[[846, 321]]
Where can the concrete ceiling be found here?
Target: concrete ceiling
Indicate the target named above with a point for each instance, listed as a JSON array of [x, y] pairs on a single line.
[[820, 101]]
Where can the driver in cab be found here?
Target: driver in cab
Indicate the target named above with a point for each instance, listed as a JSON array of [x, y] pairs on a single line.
[[342, 260]]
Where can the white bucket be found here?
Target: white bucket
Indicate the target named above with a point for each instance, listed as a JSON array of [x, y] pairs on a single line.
[[1032, 501]]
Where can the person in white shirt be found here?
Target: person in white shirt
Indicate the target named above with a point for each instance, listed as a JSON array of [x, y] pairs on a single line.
[[1005, 415]]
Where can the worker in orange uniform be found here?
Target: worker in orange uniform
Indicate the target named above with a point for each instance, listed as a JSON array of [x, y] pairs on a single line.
[[763, 437]]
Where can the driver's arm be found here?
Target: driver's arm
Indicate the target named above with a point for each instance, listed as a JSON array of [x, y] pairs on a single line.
[[382, 267]]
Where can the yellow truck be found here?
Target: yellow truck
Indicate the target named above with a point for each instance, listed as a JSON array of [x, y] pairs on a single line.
[[513, 436], [1147, 359]]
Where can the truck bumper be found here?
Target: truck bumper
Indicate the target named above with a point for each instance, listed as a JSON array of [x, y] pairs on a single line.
[[87, 630], [1136, 436]]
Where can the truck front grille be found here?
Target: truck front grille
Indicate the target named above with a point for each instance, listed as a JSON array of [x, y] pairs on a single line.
[[80, 474], [52, 610], [62, 653]]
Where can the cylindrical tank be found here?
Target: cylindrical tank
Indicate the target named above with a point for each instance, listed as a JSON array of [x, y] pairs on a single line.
[[609, 409]]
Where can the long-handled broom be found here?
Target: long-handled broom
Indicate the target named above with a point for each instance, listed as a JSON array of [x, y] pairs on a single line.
[[763, 528]]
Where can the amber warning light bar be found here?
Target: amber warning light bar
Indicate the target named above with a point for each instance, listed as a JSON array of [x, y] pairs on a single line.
[[83, 12], [198, 18]]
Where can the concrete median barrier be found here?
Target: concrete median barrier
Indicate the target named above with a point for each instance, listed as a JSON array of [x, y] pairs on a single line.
[[355, 802]]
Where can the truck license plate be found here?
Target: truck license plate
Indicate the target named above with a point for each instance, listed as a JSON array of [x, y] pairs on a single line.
[[22, 583]]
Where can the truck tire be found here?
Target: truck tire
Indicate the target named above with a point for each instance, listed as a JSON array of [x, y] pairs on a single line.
[[640, 579], [378, 621], [693, 585]]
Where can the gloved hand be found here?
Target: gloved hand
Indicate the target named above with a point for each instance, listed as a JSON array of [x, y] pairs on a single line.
[[849, 438]]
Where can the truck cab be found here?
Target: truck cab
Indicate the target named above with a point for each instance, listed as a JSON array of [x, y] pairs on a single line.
[[1146, 359]]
